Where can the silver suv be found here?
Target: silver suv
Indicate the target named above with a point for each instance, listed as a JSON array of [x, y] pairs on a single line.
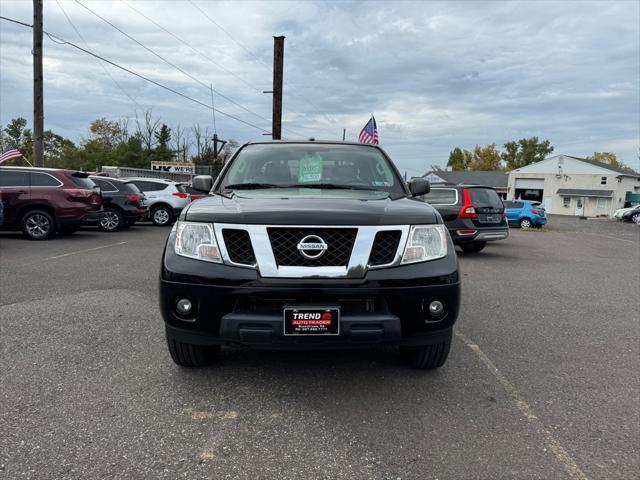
[[165, 198]]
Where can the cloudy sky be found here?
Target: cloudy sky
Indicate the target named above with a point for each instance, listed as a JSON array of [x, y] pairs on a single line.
[[436, 75]]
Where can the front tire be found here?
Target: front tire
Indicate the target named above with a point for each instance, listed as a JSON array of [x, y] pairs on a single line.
[[189, 355], [38, 225], [636, 218], [112, 221], [162, 216], [427, 357], [473, 247]]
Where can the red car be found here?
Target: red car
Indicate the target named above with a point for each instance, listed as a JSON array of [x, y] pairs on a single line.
[[44, 201]]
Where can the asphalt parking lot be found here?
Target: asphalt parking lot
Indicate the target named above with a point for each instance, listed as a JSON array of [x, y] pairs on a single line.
[[542, 381]]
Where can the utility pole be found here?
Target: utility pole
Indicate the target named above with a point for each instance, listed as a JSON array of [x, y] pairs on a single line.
[[278, 64], [216, 150], [38, 102], [344, 133]]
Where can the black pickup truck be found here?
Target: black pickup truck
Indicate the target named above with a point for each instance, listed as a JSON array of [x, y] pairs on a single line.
[[309, 245]]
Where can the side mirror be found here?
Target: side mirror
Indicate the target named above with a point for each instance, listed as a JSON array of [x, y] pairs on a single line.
[[419, 186], [202, 183]]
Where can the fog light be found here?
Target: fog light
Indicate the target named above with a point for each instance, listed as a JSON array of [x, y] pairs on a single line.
[[183, 306], [436, 308]]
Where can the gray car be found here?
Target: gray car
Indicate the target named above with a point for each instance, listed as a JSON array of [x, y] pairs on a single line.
[[165, 198]]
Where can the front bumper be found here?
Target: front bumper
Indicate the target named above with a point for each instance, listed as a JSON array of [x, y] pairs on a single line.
[[235, 306]]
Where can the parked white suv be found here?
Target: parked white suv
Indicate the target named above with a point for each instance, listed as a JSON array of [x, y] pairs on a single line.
[[165, 198]]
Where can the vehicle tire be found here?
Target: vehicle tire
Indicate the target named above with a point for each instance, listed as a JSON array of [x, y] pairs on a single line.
[[189, 355], [38, 225], [473, 247], [427, 357], [162, 216], [68, 230], [636, 218], [525, 223], [112, 221]]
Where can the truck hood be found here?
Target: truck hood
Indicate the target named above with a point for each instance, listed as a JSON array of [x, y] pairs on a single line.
[[327, 207]]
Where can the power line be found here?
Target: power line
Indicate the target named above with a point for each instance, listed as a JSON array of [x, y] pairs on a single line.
[[184, 42], [255, 57], [199, 52], [169, 62], [105, 69], [61, 41]]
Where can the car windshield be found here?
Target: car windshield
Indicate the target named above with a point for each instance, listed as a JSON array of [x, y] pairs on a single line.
[[324, 166]]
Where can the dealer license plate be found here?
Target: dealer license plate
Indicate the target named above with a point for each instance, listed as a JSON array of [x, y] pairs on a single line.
[[490, 218], [311, 320]]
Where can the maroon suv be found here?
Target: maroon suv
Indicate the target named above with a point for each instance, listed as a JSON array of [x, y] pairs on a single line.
[[44, 201]]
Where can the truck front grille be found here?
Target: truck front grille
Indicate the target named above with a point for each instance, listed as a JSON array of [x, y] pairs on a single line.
[[239, 246], [285, 240], [385, 247]]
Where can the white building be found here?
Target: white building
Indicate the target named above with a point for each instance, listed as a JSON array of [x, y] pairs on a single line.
[[575, 186]]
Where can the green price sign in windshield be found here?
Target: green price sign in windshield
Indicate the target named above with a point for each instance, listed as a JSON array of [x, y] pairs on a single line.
[[310, 169]]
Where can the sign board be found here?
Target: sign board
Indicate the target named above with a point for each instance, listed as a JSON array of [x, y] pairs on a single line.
[[173, 167]]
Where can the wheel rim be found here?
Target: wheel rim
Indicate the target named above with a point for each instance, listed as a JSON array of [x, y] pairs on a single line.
[[161, 216], [110, 220], [38, 225], [636, 218], [525, 223]]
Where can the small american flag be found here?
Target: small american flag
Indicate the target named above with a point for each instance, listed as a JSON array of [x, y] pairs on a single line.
[[9, 154], [369, 133]]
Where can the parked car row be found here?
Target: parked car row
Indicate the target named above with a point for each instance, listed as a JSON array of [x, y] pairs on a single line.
[[43, 202], [475, 215], [628, 214]]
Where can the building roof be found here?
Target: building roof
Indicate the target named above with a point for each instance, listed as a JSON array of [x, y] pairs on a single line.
[[623, 171], [584, 192], [467, 177]]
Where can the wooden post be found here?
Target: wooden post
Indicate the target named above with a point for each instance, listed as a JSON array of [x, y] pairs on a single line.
[[38, 101], [278, 65]]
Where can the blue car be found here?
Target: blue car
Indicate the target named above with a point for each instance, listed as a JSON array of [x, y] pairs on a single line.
[[525, 213]]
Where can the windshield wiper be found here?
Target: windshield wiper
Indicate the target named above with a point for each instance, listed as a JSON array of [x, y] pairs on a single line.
[[331, 186], [250, 186]]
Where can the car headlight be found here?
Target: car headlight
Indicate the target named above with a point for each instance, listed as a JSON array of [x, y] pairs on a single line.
[[197, 240], [426, 242]]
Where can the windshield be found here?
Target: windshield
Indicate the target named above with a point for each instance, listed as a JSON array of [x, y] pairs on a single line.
[[311, 166]]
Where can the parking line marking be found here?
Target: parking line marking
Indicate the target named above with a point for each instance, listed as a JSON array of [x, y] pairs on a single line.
[[569, 464], [84, 251]]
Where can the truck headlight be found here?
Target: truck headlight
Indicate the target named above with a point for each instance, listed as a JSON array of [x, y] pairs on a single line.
[[426, 242], [197, 240]]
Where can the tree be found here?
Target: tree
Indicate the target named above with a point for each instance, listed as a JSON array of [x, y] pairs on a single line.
[[107, 132], [483, 158], [456, 160], [608, 158], [525, 151], [56, 148], [162, 152], [147, 130]]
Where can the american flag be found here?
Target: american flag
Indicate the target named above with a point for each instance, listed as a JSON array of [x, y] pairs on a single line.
[[369, 133], [9, 154]]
